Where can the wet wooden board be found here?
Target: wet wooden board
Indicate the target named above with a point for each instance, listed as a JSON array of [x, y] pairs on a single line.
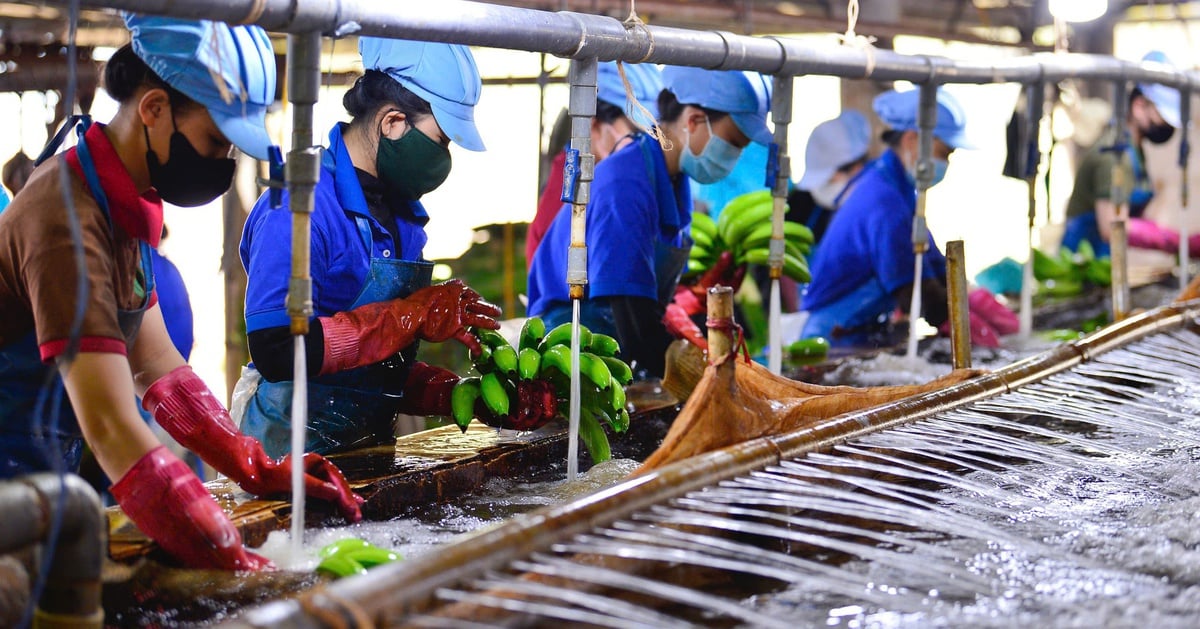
[[432, 466]]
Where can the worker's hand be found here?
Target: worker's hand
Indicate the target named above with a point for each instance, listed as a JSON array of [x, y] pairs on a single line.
[[182, 404], [989, 319], [1145, 234], [533, 406], [982, 332], [170, 505], [427, 390], [374, 332], [680, 325]]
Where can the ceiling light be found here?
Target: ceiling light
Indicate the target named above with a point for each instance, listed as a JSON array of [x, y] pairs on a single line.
[[1078, 10]]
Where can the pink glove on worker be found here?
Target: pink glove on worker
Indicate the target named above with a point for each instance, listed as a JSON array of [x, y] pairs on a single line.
[[989, 319], [681, 326], [371, 333], [182, 404], [169, 504], [1145, 234]]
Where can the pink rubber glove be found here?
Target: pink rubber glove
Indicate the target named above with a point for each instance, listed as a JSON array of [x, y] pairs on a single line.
[[982, 333], [1194, 246], [681, 326], [1145, 234], [182, 404], [170, 505], [983, 303], [371, 333]]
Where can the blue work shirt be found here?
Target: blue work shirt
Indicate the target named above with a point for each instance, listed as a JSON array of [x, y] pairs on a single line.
[[339, 262], [868, 247], [630, 210], [175, 304]]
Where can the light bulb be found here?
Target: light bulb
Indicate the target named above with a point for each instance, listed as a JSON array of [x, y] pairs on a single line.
[[1078, 10]]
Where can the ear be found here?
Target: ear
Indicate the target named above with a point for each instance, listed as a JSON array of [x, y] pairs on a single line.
[[393, 123], [154, 106]]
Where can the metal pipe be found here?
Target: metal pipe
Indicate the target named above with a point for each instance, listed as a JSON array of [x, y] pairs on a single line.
[[31, 504], [1029, 159], [1185, 117], [779, 172], [579, 35], [577, 186], [1118, 242], [960, 317], [393, 590], [721, 324], [926, 120]]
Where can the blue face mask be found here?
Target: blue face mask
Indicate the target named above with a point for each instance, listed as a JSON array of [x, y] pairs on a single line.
[[714, 162], [939, 171]]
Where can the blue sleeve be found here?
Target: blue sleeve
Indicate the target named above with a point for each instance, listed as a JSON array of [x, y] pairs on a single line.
[[891, 247], [175, 305], [266, 255], [622, 226]]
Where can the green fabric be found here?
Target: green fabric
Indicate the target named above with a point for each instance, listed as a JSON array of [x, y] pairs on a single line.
[[1093, 178]]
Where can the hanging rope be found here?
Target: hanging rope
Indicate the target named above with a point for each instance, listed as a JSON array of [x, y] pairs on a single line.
[[635, 22], [850, 38]]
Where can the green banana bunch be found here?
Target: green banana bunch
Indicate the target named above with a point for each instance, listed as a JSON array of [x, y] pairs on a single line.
[[546, 356], [744, 228], [352, 556]]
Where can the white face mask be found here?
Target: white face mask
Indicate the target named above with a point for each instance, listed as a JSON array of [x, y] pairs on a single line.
[[826, 194]]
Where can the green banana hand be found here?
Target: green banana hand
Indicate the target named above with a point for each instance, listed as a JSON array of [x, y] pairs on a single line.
[[556, 357], [462, 401], [703, 223], [745, 220], [737, 207], [594, 368], [619, 369], [616, 396], [491, 338], [592, 434], [561, 335], [494, 395]]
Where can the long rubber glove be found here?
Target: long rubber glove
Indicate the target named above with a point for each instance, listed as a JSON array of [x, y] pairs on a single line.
[[168, 503], [694, 298], [182, 404], [681, 326], [371, 333], [428, 391], [984, 304], [1145, 234]]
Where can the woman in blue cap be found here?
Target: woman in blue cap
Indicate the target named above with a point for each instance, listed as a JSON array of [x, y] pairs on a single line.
[[640, 210], [863, 269], [371, 285], [616, 121], [81, 295]]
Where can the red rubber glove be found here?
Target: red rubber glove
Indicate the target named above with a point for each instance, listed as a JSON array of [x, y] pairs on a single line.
[[1194, 246], [982, 332], [681, 326], [427, 390], [985, 305], [371, 333], [723, 273], [182, 404], [169, 504], [1146, 234]]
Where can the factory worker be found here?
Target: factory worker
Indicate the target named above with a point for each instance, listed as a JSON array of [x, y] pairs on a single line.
[[863, 268], [371, 287], [639, 214], [1152, 116], [80, 297], [616, 121], [834, 155]]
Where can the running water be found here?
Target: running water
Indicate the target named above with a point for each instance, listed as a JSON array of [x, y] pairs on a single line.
[[573, 409], [1069, 502], [299, 426]]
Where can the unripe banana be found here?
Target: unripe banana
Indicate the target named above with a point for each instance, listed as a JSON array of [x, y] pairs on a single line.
[[561, 335], [603, 345], [758, 255], [621, 421], [528, 363], [796, 268], [505, 358], [532, 332], [616, 396], [557, 357], [702, 222], [592, 434], [619, 370], [695, 266], [494, 395], [760, 236], [594, 368], [491, 338], [484, 364], [738, 206], [462, 401], [701, 239]]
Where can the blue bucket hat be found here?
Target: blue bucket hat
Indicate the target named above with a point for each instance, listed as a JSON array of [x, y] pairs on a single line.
[[745, 96], [443, 74], [898, 110], [228, 69], [644, 78], [1165, 99], [833, 144]]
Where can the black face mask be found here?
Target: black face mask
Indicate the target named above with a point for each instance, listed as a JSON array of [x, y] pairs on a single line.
[[1158, 133], [188, 178]]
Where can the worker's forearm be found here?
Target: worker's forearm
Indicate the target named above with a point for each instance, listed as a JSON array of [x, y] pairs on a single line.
[[101, 392]]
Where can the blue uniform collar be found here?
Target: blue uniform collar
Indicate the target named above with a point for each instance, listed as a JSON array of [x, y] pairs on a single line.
[[345, 180], [893, 170]]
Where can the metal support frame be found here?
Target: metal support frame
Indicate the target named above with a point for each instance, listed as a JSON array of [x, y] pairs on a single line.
[[926, 121], [1119, 195], [1028, 161], [779, 180]]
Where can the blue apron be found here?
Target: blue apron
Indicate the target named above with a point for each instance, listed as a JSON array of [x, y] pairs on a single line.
[[669, 263], [38, 431], [351, 409]]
